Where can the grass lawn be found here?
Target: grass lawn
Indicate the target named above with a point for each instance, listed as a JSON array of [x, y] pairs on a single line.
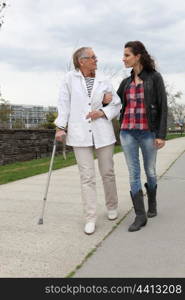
[[20, 170], [175, 135]]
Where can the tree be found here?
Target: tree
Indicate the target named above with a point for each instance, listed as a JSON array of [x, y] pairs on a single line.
[[2, 8], [171, 119], [18, 124], [176, 111], [5, 112], [50, 118], [172, 97], [179, 113]]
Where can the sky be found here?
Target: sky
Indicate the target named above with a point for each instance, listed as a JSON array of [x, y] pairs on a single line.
[[38, 38]]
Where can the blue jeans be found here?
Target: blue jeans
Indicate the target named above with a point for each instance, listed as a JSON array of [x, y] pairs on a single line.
[[131, 141]]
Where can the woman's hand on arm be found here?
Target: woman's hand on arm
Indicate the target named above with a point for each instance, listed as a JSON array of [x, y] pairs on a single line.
[[107, 98], [95, 114]]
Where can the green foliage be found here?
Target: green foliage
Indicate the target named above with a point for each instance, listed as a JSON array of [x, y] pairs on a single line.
[[18, 124], [50, 118], [5, 111]]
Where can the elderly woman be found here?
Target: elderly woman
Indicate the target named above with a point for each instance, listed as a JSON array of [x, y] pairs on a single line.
[[85, 118]]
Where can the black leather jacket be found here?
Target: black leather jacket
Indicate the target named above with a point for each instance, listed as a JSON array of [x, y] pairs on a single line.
[[155, 99]]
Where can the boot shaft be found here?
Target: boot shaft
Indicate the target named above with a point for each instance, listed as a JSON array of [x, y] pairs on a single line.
[[141, 218], [138, 203], [152, 203], [151, 193]]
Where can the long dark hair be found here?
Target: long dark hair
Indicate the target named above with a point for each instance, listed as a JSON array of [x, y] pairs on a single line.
[[146, 60]]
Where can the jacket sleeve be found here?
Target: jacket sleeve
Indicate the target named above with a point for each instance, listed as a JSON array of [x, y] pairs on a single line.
[[162, 106], [121, 96], [63, 105], [120, 91], [112, 110]]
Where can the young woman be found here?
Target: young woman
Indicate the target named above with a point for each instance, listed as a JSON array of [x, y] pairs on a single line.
[[143, 121]]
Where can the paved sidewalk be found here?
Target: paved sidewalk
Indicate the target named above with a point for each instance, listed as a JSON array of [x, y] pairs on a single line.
[[156, 251], [57, 247]]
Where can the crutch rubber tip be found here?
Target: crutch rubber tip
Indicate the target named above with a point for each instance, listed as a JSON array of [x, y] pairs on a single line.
[[40, 222]]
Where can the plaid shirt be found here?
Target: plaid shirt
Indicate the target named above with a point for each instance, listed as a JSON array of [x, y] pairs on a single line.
[[135, 113]]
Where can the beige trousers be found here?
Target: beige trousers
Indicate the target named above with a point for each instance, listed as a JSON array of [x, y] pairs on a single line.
[[86, 165]]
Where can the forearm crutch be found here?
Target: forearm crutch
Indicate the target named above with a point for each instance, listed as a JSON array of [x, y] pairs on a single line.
[[48, 181]]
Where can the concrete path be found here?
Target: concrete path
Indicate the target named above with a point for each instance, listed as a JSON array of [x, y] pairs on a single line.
[[155, 251], [57, 247]]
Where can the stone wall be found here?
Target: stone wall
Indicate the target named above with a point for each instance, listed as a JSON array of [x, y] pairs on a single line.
[[26, 144]]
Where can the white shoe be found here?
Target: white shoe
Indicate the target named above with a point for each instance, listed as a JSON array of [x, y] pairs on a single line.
[[112, 214], [89, 227]]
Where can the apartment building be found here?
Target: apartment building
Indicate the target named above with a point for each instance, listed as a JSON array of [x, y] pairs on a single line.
[[29, 116]]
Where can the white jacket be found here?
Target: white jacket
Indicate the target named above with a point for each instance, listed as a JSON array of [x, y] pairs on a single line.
[[74, 104]]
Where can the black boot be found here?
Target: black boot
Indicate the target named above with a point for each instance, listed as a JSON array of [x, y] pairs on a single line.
[[141, 218], [152, 204]]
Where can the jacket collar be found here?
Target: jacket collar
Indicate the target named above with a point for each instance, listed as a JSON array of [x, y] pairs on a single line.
[[143, 74], [98, 76]]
